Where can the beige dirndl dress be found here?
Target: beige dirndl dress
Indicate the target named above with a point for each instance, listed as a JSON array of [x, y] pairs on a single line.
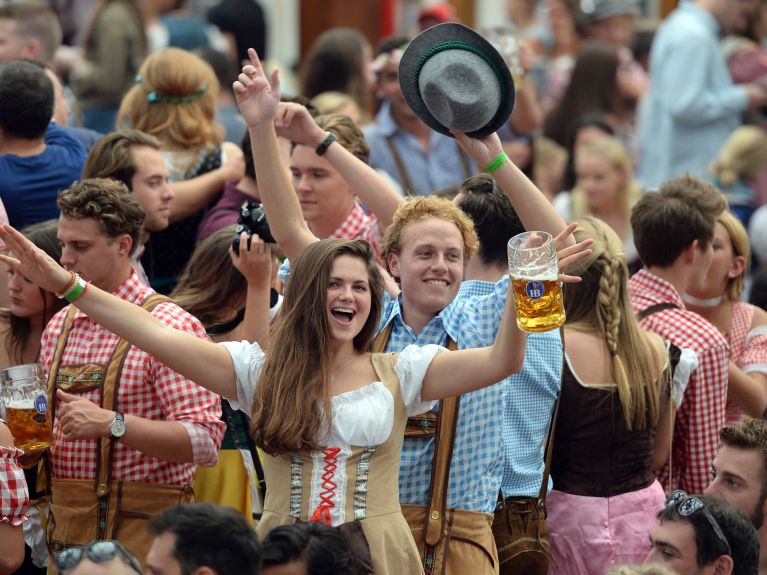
[[355, 477]]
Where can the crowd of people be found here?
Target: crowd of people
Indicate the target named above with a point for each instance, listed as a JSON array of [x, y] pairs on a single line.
[[275, 310]]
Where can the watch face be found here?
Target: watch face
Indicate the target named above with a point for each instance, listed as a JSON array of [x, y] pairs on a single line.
[[117, 428]]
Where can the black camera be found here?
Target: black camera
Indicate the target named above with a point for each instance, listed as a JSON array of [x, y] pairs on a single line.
[[252, 220]]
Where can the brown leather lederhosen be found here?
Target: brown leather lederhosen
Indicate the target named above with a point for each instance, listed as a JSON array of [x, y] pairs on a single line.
[[83, 511], [449, 541]]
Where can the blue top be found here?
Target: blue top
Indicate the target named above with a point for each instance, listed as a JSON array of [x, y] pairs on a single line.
[[29, 185], [479, 456], [439, 169], [692, 106]]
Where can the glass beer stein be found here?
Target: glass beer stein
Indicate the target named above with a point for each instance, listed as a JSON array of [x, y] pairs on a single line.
[[537, 291], [25, 394]]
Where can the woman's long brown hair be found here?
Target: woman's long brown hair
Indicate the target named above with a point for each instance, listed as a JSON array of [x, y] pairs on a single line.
[[292, 401]]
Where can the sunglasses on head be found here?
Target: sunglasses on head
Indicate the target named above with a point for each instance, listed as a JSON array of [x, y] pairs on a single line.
[[99, 552], [687, 505]]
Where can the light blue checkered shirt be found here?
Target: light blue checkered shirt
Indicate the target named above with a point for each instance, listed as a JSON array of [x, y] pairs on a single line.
[[529, 398], [472, 320]]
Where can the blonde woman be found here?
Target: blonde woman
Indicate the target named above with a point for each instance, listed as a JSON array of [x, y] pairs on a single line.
[[605, 188], [741, 160], [613, 426], [174, 99], [743, 325]]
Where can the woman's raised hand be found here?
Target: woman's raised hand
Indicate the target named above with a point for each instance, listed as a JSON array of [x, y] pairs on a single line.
[[568, 255], [32, 262], [295, 123], [257, 97]]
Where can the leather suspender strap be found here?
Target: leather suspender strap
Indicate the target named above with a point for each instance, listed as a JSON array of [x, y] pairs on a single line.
[[447, 419], [109, 393], [447, 422], [403, 176], [550, 439], [58, 352], [655, 308], [464, 161]]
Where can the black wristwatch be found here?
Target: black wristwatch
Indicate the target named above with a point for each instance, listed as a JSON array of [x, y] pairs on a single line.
[[117, 428]]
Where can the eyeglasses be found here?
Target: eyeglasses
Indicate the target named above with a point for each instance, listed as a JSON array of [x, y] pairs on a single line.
[[687, 505], [99, 552]]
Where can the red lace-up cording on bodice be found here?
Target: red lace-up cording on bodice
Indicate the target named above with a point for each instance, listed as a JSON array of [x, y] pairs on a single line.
[[322, 513]]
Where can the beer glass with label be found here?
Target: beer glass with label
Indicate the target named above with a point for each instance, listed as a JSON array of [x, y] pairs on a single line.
[[533, 272], [25, 394]]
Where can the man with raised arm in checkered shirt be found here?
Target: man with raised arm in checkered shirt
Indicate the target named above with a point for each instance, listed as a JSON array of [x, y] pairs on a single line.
[[673, 231], [128, 431]]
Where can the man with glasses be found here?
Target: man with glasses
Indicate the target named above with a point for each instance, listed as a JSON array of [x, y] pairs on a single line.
[[703, 535], [101, 558]]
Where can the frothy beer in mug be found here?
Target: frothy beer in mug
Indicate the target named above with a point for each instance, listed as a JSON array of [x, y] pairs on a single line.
[[30, 422], [539, 304], [537, 292]]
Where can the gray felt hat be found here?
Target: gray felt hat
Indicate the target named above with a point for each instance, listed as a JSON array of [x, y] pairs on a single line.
[[454, 79]]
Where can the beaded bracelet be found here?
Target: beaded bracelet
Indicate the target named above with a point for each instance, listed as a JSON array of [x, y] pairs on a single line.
[[67, 288], [77, 290], [496, 162]]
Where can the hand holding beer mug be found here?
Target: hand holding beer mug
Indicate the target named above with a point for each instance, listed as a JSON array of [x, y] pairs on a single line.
[[534, 275], [25, 394]]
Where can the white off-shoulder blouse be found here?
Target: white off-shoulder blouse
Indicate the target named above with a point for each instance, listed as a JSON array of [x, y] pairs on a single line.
[[361, 417]]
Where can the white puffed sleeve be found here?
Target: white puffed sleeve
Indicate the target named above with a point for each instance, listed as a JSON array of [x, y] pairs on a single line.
[[688, 362], [412, 363], [248, 359]]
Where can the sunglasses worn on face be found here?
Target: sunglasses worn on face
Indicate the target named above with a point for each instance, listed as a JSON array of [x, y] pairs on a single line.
[[686, 505], [99, 552]]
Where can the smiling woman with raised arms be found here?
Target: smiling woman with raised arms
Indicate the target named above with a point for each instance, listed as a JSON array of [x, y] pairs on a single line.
[[329, 413]]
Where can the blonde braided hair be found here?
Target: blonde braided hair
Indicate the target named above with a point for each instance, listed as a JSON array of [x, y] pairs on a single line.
[[599, 304]]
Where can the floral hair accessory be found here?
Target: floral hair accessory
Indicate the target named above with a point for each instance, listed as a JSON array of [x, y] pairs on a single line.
[[154, 97], [384, 59]]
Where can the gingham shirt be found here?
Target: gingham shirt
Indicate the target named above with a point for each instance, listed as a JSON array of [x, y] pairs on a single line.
[[478, 463], [148, 389], [702, 412], [748, 349], [14, 496], [358, 225]]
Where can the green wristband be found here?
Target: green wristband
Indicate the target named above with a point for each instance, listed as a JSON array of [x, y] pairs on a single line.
[[496, 162], [77, 290]]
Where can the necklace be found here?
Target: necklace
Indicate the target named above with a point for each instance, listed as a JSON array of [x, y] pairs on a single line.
[[340, 367], [711, 302]]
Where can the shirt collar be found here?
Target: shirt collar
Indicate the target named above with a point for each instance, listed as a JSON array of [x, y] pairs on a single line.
[[660, 288], [385, 121], [442, 319], [131, 290], [706, 18], [352, 226]]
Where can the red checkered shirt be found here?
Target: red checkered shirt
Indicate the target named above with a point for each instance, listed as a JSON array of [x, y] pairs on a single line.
[[701, 415], [748, 350], [14, 496], [362, 226], [148, 389]]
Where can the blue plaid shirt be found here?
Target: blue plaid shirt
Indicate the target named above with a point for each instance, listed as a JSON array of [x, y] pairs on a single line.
[[472, 320], [529, 398]]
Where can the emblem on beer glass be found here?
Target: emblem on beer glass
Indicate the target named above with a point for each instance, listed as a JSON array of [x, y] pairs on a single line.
[[533, 272], [25, 394]]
